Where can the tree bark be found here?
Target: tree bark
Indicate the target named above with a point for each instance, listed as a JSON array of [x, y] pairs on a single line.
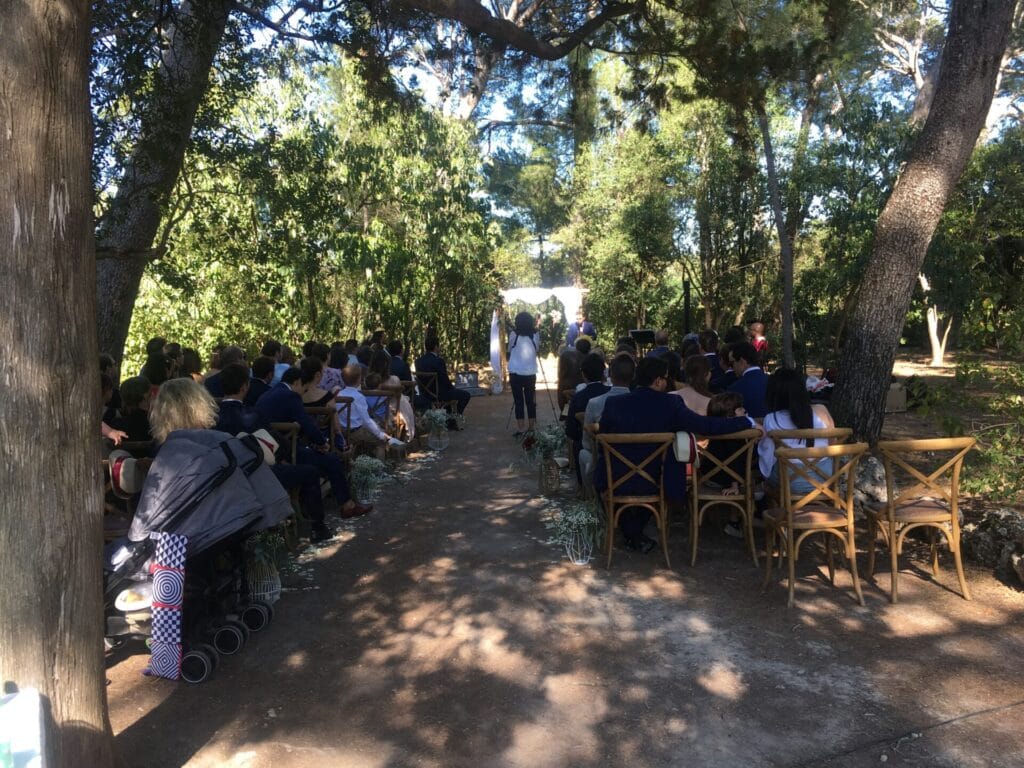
[[970, 62], [130, 224], [785, 241], [51, 507]]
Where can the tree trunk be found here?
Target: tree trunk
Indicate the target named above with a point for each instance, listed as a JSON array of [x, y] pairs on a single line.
[[970, 62], [128, 228], [785, 242], [51, 507]]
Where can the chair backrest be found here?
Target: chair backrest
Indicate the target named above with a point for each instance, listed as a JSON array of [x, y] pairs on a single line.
[[723, 470], [834, 435], [382, 403], [344, 408], [833, 488], [288, 431], [942, 483], [647, 466], [428, 385]]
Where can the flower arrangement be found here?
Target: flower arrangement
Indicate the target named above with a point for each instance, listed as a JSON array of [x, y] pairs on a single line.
[[436, 419], [544, 442], [366, 475], [579, 527]]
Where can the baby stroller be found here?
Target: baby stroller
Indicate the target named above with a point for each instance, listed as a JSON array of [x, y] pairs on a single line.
[[215, 491]]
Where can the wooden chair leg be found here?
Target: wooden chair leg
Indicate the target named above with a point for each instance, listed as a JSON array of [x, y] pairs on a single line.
[[894, 562], [829, 560], [694, 532], [851, 553], [954, 545], [748, 533], [610, 536], [934, 552], [872, 539], [791, 558], [663, 533]]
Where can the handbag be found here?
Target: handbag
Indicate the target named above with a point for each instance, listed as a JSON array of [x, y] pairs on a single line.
[[685, 448]]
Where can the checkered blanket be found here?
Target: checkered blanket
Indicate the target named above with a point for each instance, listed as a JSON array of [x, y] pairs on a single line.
[[168, 570]]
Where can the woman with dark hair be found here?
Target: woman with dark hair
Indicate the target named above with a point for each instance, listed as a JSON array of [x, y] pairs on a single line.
[[337, 359], [695, 392], [522, 370], [157, 369], [789, 407], [191, 365]]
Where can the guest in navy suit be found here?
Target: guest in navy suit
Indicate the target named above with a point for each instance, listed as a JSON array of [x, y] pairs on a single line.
[[235, 416], [431, 362], [660, 344], [649, 409], [283, 402], [262, 374], [751, 381], [228, 356], [720, 379], [593, 371]]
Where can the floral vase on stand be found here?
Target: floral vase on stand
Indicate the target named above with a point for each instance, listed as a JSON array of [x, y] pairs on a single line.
[[366, 475], [579, 527], [436, 421]]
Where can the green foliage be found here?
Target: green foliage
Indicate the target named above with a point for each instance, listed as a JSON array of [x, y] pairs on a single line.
[[366, 475], [325, 214], [577, 520]]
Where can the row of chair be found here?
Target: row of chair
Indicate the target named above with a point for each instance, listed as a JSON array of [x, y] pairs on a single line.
[[917, 497]]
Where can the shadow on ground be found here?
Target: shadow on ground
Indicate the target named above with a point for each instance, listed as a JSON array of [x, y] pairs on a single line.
[[445, 631]]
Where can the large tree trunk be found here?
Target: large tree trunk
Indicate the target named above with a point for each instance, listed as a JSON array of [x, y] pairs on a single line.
[[785, 241], [970, 62], [51, 507], [126, 233]]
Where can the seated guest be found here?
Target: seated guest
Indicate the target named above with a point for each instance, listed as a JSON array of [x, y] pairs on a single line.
[[695, 392], [312, 369], [649, 409], [337, 359], [675, 368], [728, 377], [724, 405], [583, 345], [157, 369], [174, 354], [569, 374], [364, 432], [789, 406], [751, 381], [709, 348], [660, 343], [690, 347], [262, 374], [235, 417], [283, 402], [137, 393], [624, 342], [109, 367], [431, 362], [398, 366], [593, 374], [191, 365], [228, 355], [735, 335], [621, 371]]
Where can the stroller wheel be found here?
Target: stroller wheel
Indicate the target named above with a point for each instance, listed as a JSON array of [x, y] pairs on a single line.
[[241, 628], [196, 666], [255, 616], [267, 606], [211, 652], [228, 639]]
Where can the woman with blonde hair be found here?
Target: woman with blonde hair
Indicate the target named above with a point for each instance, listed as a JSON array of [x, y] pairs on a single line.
[[181, 404]]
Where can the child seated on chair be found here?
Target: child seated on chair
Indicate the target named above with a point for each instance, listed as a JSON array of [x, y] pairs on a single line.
[[727, 404]]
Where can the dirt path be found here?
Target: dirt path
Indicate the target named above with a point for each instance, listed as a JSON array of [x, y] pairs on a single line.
[[444, 631]]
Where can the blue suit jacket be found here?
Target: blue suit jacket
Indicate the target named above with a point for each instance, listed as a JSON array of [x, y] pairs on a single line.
[[281, 403], [647, 410], [719, 379], [257, 388], [400, 368], [432, 363], [657, 352], [752, 385], [235, 417], [213, 385]]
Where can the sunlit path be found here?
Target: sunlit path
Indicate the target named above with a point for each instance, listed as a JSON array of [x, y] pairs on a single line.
[[444, 631]]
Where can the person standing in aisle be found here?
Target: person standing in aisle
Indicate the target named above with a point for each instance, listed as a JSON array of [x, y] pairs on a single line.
[[522, 371]]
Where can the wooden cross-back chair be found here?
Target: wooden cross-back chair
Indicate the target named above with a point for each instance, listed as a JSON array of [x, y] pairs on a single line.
[[712, 475], [429, 388], [649, 467], [392, 397], [337, 419], [826, 508], [931, 501], [287, 433]]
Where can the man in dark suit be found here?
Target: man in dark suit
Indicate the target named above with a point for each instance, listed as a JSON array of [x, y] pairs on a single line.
[[228, 356], [283, 402], [235, 417], [660, 344], [649, 409], [262, 374], [708, 341], [431, 362], [751, 381], [592, 368]]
